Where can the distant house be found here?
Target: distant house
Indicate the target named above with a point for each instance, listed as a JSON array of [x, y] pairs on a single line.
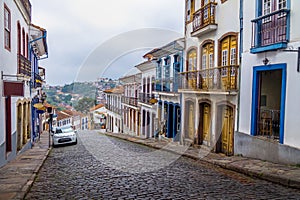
[[98, 116], [63, 119]]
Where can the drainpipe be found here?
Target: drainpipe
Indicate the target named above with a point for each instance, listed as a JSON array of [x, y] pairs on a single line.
[[241, 62]]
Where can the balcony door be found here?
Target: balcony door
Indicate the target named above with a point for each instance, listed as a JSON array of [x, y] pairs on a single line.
[[207, 65], [191, 68], [228, 58]]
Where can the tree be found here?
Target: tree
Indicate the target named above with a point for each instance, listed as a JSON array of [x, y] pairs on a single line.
[[85, 104]]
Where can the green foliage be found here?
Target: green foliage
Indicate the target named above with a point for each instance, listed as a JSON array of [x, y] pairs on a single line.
[[84, 104]]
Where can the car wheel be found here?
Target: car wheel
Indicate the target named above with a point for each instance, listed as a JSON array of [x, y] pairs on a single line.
[[75, 142]]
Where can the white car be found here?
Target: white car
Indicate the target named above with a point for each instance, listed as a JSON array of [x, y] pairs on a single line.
[[64, 135]]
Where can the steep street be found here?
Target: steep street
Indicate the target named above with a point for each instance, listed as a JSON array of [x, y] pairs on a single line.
[[100, 167]]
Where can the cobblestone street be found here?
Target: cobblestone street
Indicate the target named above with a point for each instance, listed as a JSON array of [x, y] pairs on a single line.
[[100, 167]]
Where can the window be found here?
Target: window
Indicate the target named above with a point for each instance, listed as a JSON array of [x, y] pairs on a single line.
[[23, 41], [281, 4], [190, 10], [7, 27], [233, 56], [192, 60], [224, 57]]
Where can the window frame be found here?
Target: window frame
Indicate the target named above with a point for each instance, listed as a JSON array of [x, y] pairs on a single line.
[[7, 28]]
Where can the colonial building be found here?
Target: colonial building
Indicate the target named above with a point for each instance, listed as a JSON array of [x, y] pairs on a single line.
[[114, 119], [209, 81], [19, 53], [165, 83], [270, 75], [146, 98], [131, 110], [98, 117]]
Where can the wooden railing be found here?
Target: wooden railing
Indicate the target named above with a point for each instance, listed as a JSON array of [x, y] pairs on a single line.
[[270, 29], [24, 66], [204, 16], [219, 78]]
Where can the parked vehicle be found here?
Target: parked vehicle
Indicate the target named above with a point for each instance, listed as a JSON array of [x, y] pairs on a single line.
[[64, 135]]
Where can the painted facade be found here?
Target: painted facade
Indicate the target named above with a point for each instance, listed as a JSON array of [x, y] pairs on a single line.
[[131, 110], [147, 100], [209, 78], [114, 119], [168, 66], [268, 120], [98, 116], [18, 77]]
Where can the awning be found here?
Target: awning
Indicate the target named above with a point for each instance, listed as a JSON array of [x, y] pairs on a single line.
[[13, 88]]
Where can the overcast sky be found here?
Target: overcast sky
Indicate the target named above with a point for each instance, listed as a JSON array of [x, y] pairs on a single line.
[[88, 39]]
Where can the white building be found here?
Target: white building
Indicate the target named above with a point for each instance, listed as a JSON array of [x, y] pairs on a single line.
[[98, 116], [19, 55], [209, 80], [131, 110], [165, 69], [268, 126], [114, 119], [146, 99]]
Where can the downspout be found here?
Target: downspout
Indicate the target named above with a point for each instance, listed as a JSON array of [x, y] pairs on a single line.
[[241, 62]]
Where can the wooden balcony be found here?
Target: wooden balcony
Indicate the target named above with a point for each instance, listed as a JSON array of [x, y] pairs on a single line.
[[24, 66], [204, 20], [270, 32], [223, 79]]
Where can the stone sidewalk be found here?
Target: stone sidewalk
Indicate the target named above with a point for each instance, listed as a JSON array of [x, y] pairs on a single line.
[[276, 173], [17, 176]]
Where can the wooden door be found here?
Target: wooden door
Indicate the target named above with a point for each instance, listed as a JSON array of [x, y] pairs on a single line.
[[191, 122], [227, 131]]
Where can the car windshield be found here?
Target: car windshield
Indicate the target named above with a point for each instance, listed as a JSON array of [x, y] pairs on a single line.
[[64, 130]]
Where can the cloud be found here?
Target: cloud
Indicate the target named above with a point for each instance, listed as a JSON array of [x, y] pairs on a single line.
[[77, 28]]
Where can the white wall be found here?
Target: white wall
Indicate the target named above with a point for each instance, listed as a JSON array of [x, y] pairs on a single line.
[[9, 61], [292, 107]]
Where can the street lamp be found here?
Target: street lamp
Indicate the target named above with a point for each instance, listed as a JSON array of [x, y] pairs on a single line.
[[49, 110]]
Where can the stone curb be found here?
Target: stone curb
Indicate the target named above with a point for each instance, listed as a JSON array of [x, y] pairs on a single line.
[[279, 179], [26, 188]]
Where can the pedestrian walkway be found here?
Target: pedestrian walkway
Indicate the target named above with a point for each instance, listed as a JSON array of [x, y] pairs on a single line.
[[17, 176], [276, 173]]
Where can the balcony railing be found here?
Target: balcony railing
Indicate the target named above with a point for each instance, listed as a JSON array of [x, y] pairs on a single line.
[[205, 16], [268, 123], [146, 98], [213, 79], [24, 66], [270, 29], [38, 80], [130, 101]]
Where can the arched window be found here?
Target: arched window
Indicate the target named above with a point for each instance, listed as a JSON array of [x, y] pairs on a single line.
[[19, 38], [23, 42], [192, 60]]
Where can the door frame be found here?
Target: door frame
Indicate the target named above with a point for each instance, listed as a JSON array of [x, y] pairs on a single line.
[[255, 94]]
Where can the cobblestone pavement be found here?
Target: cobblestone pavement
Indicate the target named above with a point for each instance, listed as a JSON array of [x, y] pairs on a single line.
[[99, 167]]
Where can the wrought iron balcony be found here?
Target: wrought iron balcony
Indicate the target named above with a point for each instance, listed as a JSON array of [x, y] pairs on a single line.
[[204, 19], [130, 101], [24, 66], [146, 98], [270, 32], [213, 79]]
